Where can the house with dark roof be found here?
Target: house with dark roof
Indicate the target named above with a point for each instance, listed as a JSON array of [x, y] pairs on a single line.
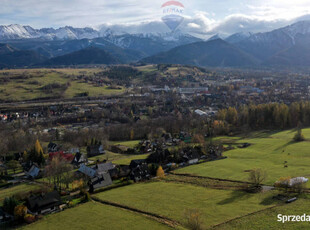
[[104, 167], [98, 175], [52, 147], [79, 159], [99, 181], [42, 204], [140, 173], [136, 163], [95, 150], [139, 170]]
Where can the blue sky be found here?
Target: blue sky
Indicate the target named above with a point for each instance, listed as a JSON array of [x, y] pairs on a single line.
[[204, 15]]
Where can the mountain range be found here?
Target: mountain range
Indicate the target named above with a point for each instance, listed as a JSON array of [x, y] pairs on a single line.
[[24, 46]]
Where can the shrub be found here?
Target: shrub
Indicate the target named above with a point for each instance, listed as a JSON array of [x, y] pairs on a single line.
[[29, 218], [9, 204], [86, 197], [70, 204], [20, 211], [194, 219]]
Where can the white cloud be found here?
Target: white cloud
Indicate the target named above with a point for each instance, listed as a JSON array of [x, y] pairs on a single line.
[[204, 17], [193, 25]]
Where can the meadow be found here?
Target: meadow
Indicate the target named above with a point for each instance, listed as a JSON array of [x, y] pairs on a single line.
[[173, 200], [268, 218], [268, 151], [94, 215], [29, 84]]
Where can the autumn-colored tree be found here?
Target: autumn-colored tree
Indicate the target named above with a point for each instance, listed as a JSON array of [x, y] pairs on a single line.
[[232, 116], [20, 211], [132, 134], [36, 154], [29, 218], [37, 147], [160, 172], [199, 139], [78, 184], [57, 171]]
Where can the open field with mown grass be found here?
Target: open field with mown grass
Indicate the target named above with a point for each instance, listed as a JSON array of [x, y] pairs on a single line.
[[268, 219], [128, 158], [129, 144], [268, 151], [117, 158], [172, 200], [95, 216], [29, 84]]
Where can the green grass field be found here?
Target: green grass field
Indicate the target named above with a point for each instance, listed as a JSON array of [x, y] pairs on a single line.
[[173, 199], [116, 158], [268, 152], [95, 216], [128, 158], [129, 144], [33, 80], [268, 219]]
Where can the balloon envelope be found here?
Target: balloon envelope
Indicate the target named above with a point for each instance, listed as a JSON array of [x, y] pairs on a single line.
[[172, 21]]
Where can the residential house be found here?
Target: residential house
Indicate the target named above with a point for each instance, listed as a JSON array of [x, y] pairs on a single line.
[[104, 167], [66, 156], [139, 170], [33, 172], [140, 173], [52, 147], [98, 175], [101, 180], [42, 204], [79, 159], [90, 172], [136, 163], [95, 150]]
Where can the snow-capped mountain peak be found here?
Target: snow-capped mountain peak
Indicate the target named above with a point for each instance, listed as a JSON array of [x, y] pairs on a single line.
[[16, 32]]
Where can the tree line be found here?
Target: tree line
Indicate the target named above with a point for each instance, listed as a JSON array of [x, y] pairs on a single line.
[[264, 116]]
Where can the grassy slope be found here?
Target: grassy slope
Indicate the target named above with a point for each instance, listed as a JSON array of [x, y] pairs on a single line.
[[95, 216], [267, 152], [25, 89], [268, 219], [172, 200]]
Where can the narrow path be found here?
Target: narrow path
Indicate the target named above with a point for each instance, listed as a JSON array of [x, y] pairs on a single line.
[[161, 219]]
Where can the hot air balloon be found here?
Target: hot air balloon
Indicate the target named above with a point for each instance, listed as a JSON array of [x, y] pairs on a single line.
[[173, 11]]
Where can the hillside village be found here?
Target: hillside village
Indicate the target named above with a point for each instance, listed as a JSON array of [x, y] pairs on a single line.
[[189, 130]]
